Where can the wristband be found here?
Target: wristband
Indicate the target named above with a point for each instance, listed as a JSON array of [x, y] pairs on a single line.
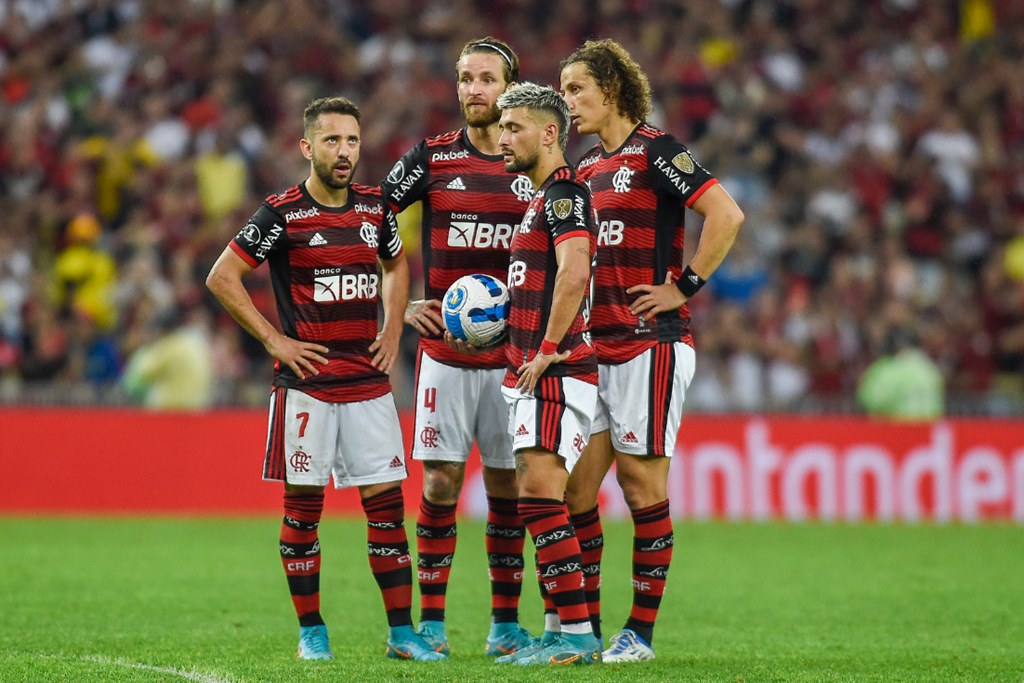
[[689, 283], [548, 347]]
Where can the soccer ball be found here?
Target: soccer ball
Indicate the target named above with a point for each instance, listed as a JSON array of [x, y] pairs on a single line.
[[475, 310]]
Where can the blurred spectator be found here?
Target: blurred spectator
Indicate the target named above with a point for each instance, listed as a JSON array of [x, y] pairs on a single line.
[[955, 152], [174, 369], [221, 179], [85, 274], [904, 384]]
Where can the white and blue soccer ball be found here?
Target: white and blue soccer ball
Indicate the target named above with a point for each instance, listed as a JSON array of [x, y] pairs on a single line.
[[475, 310]]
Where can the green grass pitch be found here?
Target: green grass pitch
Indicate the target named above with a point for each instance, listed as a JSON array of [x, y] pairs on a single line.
[[160, 599]]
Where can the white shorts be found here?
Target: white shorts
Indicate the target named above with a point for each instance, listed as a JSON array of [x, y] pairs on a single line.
[[556, 417], [454, 406], [310, 440], [641, 401]]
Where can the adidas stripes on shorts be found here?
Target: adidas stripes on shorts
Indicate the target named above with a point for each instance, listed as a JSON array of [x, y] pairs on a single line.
[[641, 400], [310, 440]]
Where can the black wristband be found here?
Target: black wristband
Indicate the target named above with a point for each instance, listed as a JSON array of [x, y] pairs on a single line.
[[689, 283]]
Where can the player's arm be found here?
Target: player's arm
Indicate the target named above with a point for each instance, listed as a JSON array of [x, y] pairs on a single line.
[[394, 291], [722, 221], [571, 279], [673, 171], [394, 295], [225, 282], [405, 184]]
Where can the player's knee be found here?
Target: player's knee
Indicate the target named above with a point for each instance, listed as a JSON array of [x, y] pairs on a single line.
[[640, 491], [501, 483], [579, 500], [442, 482]]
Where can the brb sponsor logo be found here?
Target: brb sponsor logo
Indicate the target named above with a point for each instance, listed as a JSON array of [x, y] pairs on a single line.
[[516, 273], [330, 284], [466, 232], [610, 233]]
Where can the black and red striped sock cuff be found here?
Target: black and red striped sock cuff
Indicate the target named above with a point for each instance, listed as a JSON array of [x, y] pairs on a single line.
[[535, 509], [651, 514], [585, 519], [304, 508], [506, 507], [442, 513], [386, 505]]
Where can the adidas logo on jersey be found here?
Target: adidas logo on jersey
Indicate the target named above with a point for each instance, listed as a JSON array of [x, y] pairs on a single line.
[[630, 438], [522, 431], [395, 463], [317, 240], [457, 184]]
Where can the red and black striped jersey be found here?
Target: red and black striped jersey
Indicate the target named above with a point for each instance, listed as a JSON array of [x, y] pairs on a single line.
[[640, 192], [325, 277], [559, 210], [470, 207]]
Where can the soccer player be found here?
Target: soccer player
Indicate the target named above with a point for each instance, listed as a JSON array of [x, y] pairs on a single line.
[[642, 181], [331, 411], [551, 378], [470, 205]]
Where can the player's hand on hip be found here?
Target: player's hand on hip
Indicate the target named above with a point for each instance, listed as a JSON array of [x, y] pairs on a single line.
[[385, 350], [655, 299], [424, 315], [530, 373], [302, 357]]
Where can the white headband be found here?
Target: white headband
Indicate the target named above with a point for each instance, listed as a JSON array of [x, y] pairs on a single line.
[[498, 50]]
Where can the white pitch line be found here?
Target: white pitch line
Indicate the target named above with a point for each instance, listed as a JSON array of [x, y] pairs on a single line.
[[195, 676]]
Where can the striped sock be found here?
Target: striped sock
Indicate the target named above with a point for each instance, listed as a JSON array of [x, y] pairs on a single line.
[[558, 552], [300, 554], [388, 549], [506, 536], [652, 554], [591, 538], [549, 605], [436, 534]]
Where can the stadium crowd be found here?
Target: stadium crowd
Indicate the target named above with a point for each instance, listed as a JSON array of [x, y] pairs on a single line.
[[876, 147]]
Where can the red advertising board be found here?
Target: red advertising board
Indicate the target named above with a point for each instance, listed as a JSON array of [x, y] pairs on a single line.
[[87, 461]]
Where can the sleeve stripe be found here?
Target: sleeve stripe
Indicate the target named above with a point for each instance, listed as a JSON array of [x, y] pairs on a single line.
[[242, 253], [701, 190], [575, 233]]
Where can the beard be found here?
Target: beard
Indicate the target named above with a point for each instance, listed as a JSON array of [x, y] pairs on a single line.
[[522, 164], [478, 119], [325, 172]]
